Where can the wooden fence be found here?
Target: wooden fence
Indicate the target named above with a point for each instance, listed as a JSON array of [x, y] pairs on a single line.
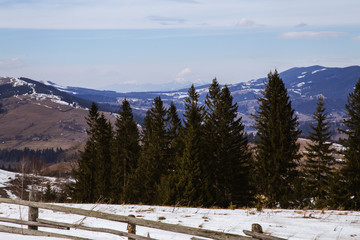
[[35, 221]]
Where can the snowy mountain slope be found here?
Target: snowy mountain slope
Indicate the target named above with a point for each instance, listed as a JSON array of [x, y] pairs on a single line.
[[10, 87], [304, 86], [39, 116]]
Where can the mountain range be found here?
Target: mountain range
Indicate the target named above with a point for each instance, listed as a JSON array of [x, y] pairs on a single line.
[[304, 85], [43, 114]]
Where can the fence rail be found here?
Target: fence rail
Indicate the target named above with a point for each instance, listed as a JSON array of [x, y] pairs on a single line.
[[131, 220]]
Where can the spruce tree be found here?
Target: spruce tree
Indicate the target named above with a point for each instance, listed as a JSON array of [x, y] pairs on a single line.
[[236, 156], [276, 150], [166, 189], [126, 150], [214, 166], [228, 157], [351, 170], [174, 130], [84, 187], [153, 160], [318, 171], [103, 155], [192, 183]]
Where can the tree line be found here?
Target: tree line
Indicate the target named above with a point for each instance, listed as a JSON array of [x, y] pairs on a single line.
[[205, 158], [11, 159]]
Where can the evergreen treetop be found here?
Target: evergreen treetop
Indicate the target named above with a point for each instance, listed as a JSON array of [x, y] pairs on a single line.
[[351, 170], [319, 159], [276, 150]]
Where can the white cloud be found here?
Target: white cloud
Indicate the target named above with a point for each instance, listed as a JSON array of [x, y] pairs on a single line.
[[183, 74], [113, 14], [13, 63], [245, 23], [356, 39], [310, 35]]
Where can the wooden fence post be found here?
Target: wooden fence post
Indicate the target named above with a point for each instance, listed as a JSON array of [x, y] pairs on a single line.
[[255, 227], [131, 228], [33, 211]]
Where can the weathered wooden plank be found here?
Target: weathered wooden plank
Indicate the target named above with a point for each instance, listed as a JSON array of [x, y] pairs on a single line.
[[94, 229], [33, 211], [141, 222], [24, 231], [31, 223], [261, 236]]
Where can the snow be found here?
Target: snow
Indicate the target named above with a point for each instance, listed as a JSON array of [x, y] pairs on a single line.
[[323, 69], [17, 82], [301, 76], [288, 224], [300, 84], [40, 96], [5, 177]]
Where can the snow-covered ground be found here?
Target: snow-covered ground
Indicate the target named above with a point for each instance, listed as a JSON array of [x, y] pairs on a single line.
[[288, 224]]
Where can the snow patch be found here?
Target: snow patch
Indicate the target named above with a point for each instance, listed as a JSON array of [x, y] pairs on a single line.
[[18, 82], [300, 84], [323, 69]]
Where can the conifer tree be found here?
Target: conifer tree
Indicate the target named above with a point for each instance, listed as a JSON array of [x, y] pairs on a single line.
[[84, 187], [351, 170], [276, 150], [152, 162], [192, 184], [126, 150], [166, 189], [173, 133], [102, 159], [228, 156], [318, 172]]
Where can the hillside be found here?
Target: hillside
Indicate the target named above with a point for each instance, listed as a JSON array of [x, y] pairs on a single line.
[[45, 115], [38, 116]]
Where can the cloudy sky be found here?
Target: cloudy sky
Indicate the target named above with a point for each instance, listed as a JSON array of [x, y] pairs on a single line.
[[107, 43]]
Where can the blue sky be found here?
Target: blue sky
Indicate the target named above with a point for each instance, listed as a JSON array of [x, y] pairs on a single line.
[[106, 44]]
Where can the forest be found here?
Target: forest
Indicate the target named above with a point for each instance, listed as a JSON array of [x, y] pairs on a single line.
[[206, 160]]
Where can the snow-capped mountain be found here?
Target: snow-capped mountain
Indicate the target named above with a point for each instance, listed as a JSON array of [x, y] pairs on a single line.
[[304, 86]]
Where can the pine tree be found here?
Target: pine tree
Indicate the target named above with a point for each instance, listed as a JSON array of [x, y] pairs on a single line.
[[166, 189], [126, 150], [84, 187], [351, 170], [276, 149], [228, 156], [318, 171], [236, 155], [152, 162], [92, 178], [104, 137], [192, 184], [173, 132]]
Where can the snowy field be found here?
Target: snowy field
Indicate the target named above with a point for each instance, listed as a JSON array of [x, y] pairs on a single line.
[[288, 224]]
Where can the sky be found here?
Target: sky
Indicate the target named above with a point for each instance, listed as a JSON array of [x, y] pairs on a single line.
[[116, 44]]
